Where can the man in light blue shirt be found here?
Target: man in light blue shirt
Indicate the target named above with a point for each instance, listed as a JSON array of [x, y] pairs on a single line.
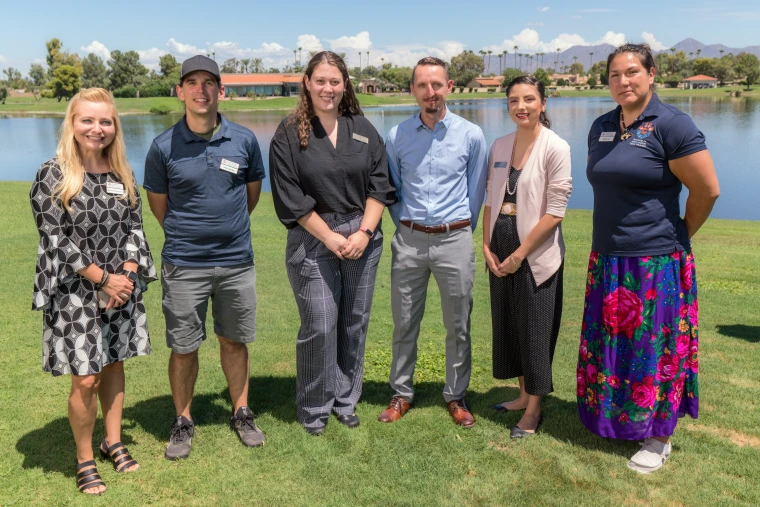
[[438, 163]]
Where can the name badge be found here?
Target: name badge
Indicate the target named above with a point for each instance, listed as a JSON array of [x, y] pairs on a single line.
[[607, 137], [499, 164], [229, 166], [115, 188], [363, 139]]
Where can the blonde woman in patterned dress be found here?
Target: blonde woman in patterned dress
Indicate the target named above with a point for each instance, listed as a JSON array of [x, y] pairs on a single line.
[[93, 265]]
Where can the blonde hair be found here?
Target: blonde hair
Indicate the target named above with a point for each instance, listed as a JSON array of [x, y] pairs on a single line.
[[70, 158]]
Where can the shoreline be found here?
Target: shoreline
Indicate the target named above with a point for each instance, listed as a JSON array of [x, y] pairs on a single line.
[[131, 107]]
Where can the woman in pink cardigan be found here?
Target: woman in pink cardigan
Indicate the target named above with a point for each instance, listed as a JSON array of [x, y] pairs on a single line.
[[528, 186]]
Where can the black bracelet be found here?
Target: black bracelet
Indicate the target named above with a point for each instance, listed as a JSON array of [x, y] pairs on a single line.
[[103, 280]]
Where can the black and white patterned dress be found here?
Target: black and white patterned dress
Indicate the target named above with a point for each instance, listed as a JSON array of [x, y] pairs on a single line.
[[525, 317], [78, 337]]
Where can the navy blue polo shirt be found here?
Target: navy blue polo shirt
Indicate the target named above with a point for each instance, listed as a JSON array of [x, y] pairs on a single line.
[[636, 207], [207, 222]]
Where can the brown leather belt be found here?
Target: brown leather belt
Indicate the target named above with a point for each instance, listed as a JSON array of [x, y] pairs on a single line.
[[437, 229]]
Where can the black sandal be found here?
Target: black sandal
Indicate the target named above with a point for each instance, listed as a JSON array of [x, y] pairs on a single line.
[[121, 459], [88, 478]]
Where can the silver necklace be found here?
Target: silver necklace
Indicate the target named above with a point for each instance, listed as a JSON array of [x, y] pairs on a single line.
[[512, 159]]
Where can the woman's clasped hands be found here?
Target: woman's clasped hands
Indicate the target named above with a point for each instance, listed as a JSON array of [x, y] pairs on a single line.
[[350, 248], [502, 268]]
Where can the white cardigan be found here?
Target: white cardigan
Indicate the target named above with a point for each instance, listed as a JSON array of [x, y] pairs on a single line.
[[544, 187]]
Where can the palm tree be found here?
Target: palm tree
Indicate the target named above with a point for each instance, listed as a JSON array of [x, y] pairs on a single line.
[[531, 62], [505, 57], [691, 54], [721, 53], [555, 68], [590, 60], [256, 65], [515, 48], [299, 56], [500, 68], [382, 62], [360, 61], [367, 58], [575, 59], [244, 63], [698, 52], [482, 54], [295, 62], [489, 61]]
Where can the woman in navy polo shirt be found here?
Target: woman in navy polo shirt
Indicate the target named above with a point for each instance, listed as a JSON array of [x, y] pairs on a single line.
[[637, 366]]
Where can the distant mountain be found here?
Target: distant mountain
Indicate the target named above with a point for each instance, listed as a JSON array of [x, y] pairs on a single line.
[[600, 53]]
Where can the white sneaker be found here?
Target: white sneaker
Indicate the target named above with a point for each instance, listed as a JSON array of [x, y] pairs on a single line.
[[651, 457]]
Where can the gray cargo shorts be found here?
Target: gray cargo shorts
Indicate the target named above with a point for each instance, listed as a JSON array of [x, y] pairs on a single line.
[[186, 291]]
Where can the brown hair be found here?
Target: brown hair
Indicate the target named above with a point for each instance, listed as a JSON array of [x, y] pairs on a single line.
[[431, 60], [530, 80], [643, 51], [304, 112]]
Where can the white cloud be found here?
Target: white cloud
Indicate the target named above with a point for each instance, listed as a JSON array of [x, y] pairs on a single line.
[[150, 57], [99, 49], [543, 9], [358, 42], [309, 42], [271, 54], [2, 58], [616, 39], [409, 55], [529, 41], [653, 43]]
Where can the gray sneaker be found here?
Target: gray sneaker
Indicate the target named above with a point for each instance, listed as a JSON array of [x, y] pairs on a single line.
[[181, 439], [242, 422]]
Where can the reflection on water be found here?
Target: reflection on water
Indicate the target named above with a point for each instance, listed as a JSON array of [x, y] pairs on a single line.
[[731, 126]]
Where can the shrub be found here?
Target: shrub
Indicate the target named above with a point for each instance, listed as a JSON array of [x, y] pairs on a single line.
[[154, 90], [672, 83], [492, 90], [47, 94], [561, 82], [233, 95], [591, 82], [250, 95], [161, 109], [127, 92]]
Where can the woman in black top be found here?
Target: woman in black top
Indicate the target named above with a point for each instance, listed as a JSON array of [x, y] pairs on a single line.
[[330, 184]]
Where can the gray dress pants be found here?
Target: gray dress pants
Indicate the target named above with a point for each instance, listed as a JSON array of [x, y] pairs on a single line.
[[450, 257], [334, 298]]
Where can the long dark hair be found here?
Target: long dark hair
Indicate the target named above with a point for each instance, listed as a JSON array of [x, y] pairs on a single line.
[[543, 118], [304, 111], [643, 51]]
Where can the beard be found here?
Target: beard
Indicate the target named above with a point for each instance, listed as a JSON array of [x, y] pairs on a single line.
[[432, 110]]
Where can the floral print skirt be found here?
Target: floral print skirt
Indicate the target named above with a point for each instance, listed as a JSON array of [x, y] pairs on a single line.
[[637, 364]]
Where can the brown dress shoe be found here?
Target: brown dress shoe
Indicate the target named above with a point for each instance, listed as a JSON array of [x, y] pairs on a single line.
[[395, 411], [460, 413]]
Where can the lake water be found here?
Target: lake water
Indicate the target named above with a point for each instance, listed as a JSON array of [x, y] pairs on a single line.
[[731, 126]]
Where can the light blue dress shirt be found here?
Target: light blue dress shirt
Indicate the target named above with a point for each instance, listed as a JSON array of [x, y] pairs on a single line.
[[440, 175]]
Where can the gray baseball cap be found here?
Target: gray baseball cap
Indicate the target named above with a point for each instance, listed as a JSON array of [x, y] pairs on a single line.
[[199, 62]]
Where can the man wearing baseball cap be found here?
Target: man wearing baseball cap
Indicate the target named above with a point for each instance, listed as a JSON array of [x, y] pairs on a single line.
[[203, 179]]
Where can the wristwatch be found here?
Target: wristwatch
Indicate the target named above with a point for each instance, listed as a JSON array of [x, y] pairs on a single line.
[[130, 274], [366, 230]]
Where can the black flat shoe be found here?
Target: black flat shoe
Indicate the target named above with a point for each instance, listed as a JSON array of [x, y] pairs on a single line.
[[352, 421], [315, 431], [501, 408], [517, 432]]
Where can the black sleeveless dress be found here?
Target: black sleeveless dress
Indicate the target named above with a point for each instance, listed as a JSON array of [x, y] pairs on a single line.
[[525, 317]]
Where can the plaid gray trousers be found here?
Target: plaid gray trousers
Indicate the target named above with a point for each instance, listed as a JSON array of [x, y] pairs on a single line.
[[334, 298]]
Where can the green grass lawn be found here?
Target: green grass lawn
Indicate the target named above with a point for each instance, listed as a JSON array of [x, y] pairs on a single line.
[[421, 460], [22, 105]]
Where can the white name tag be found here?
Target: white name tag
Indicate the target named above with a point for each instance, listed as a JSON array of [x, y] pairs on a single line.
[[363, 139], [229, 166], [607, 137], [115, 188]]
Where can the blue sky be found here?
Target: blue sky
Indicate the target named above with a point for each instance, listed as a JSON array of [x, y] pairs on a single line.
[[401, 32]]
